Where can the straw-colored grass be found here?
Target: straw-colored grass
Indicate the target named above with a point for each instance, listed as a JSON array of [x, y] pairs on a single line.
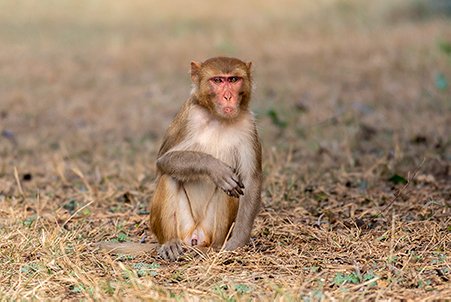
[[352, 99]]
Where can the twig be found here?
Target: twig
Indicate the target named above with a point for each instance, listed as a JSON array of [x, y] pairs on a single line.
[[318, 222], [403, 188], [16, 176], [80, 174], [358, 286], [76, 212], [220, 251], [227, 237]]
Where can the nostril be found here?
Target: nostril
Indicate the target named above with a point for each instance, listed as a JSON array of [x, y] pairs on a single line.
[[193, 242], [227, 96]]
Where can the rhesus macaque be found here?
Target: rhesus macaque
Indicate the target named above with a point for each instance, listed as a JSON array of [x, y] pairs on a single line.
[[209, 165]]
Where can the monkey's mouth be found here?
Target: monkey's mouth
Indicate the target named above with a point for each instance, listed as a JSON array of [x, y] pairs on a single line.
[[228, 110]]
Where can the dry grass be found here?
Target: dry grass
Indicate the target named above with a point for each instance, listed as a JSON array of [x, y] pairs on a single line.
[[349, 94]]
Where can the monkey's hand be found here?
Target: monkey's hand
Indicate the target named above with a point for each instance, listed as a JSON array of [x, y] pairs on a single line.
[[226, 178], [171, 250]]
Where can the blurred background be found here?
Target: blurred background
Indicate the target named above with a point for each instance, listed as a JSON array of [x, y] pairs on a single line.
[[335, 80], [352, 99]]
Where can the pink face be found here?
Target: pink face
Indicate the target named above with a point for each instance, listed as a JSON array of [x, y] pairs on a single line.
[[227, 94]]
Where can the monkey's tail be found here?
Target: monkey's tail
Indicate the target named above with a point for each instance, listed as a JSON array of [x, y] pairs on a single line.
[[127, 248]]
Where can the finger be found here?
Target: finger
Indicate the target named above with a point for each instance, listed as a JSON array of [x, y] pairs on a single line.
[[235, 194], [163, 254], [166, 255], [178, 250], [239, 191], [231, 182], [171, 253], [238, 182], [232, 193]]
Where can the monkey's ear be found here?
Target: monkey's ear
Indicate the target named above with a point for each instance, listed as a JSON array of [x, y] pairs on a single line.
[[195, 68], [249, 65]]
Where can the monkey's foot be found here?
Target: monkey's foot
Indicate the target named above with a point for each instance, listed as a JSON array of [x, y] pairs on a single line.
[[234, 244], [171, 250]]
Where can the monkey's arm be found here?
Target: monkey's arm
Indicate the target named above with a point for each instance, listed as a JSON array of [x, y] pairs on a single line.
[[190, 165], [247, 211], [249, 204]]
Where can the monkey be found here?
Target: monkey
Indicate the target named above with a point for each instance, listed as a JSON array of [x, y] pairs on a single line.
[[209, 165]]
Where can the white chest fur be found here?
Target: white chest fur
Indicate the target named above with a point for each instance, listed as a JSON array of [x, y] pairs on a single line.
[[231, 143]]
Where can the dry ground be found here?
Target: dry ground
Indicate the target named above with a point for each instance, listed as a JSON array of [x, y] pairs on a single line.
[[352, 98]]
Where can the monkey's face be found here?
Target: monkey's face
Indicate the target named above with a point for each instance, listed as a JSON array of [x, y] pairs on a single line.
[[222, 85], [226, 94]]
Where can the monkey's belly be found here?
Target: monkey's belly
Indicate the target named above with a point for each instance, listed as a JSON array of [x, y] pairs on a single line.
[[203, 211]]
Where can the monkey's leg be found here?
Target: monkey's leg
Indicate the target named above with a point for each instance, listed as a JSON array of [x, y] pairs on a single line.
[[218, 218], [171, 217]]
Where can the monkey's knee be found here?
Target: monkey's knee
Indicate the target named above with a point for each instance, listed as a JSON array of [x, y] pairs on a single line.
[[171, 250]]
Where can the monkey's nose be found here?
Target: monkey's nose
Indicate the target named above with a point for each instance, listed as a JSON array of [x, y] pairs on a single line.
[[227, 96]]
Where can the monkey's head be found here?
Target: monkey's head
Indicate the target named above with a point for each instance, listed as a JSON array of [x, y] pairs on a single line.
[[222, 85]]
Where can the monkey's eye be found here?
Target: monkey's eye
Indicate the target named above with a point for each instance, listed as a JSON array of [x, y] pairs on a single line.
[[233, 79], [217, 80]]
